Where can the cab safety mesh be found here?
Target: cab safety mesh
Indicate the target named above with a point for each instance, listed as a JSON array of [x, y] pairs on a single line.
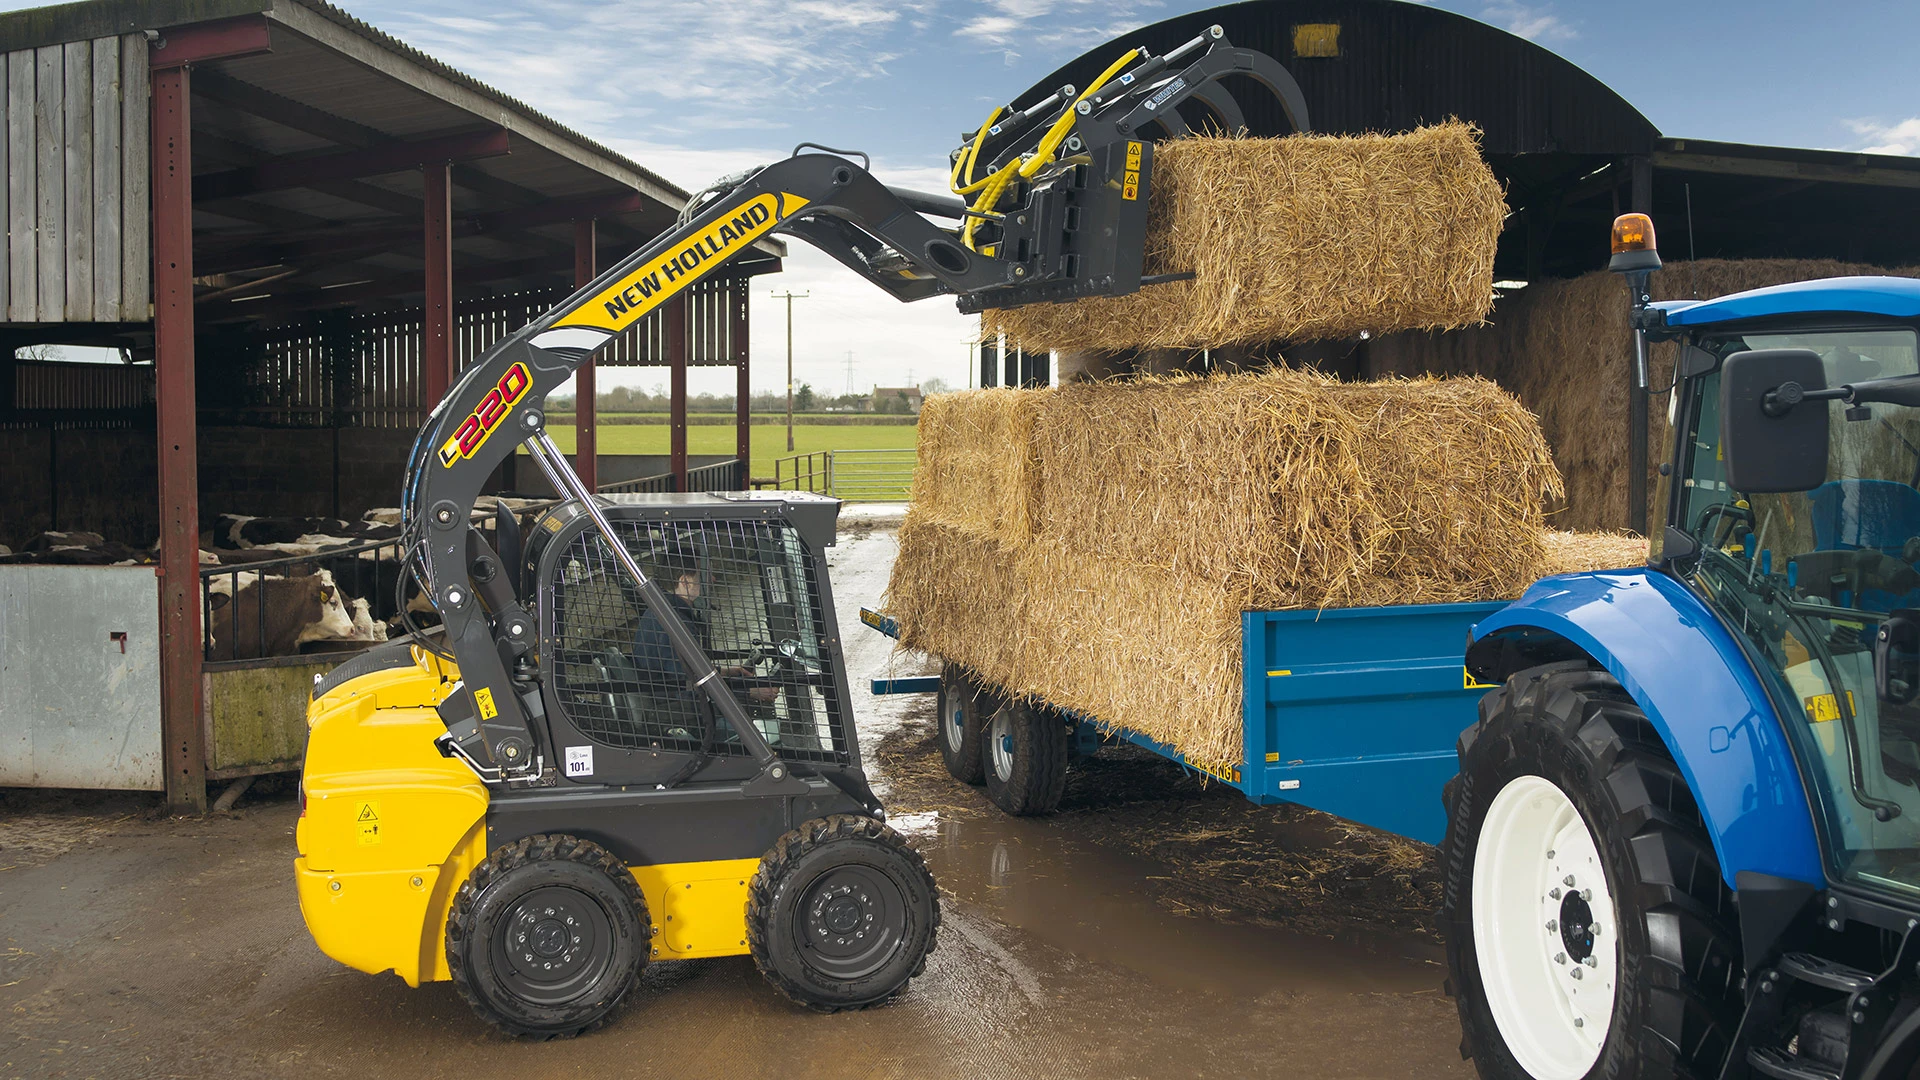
[[747, 590]]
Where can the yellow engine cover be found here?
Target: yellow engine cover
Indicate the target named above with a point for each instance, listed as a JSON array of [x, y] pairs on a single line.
[[391, 830]]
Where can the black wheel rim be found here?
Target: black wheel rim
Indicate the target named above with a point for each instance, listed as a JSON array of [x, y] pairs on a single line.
[[852, 921], [552, 946]]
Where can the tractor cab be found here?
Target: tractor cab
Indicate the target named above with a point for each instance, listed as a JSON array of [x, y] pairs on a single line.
[[1793, 509]]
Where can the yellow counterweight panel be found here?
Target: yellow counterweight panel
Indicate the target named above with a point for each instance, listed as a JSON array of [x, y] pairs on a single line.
[[390, 828]]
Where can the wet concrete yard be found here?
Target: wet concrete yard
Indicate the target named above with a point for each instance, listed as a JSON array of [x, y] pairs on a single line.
[[1135, 934]]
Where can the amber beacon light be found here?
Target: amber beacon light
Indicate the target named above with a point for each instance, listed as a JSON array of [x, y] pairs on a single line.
[[1633, 244]]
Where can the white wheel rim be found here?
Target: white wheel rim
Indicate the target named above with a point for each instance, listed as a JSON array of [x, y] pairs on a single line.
[[952, 716], [1001, 739], [1553, 1006]]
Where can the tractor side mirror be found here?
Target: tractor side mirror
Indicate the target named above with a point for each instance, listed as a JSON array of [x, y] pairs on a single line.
[[1774, 438], [1896, 657]]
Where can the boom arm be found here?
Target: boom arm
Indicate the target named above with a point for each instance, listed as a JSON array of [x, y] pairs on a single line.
[[1064, 228]]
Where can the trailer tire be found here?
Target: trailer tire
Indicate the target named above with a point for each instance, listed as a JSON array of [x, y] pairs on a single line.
[[1023, 755], [819, 893], [962, 703], [580, 905], [1563, 760]]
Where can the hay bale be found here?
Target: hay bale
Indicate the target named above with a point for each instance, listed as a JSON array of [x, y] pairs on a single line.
[[1309, 236], [1289, 489], [1574, 552], [1166, 507], [976, 463]]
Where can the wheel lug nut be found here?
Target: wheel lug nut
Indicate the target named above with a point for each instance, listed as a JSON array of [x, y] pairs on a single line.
[[1591, 961], [1549, 853], [1594, 929], [1559, 958], [1553, 924], [1586, 894], [1554, 893], [1579, 1023], [1568, 881], [1576, 973]]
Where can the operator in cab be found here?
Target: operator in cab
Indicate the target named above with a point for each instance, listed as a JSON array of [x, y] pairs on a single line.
[[653, 653]]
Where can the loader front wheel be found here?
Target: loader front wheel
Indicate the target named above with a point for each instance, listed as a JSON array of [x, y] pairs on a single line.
[[548, 936], [841, 913], [964, 707], [1024, 757], [1588, 930]]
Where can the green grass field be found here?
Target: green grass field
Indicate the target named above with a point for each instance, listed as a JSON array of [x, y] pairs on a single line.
[[769, 441]]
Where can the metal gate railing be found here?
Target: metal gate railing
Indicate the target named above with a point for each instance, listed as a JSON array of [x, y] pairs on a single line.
[[871, 475]]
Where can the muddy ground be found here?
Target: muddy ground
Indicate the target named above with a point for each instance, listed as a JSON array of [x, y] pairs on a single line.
[[1154, 928]]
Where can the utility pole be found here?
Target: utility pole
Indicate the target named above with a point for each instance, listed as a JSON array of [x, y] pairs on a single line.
[[790, 296]]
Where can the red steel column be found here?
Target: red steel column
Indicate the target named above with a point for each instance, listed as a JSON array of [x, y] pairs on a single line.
[[182, 736], [743, 393], [586, 447], [677, 393], [437, 330]]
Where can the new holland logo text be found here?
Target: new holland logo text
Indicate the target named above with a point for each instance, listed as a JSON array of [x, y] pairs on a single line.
[[487, 416], [628, 300]]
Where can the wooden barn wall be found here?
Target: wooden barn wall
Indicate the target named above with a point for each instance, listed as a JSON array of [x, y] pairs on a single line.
[[364, 370], [76, 198]]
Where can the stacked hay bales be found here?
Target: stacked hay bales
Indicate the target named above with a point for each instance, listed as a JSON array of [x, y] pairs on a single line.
[[1563, 348], [1157, 511], [1301, 237]]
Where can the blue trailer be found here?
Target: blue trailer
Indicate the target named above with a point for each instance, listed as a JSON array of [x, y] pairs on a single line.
[[1354, 711], [1678, 806]]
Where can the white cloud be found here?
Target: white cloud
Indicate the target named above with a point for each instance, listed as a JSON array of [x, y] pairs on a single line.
[[1902, 137], [1532, 23]]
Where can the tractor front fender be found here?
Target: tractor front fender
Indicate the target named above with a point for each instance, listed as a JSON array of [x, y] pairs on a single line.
[[1684, 668]]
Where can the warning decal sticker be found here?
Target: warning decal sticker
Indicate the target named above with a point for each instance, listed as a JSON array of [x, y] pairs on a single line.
[[366, 819]]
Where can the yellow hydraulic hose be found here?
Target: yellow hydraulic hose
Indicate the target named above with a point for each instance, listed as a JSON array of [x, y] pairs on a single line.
[[992, 186]]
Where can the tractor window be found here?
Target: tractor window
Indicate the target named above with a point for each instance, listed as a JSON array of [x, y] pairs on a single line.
[[749, 593], [1807, 577]]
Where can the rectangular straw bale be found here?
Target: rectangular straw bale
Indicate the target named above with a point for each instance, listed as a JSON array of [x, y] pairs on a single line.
[[1574, 552], [1289, 489], [1308, 236], [976, 463], [960, 593]]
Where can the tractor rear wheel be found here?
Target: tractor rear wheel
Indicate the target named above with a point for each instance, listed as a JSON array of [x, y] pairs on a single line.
[[1024, 757], [548, 936], [1588, 930], [841, 913]]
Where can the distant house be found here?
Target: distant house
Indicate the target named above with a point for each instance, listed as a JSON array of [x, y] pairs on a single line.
[[896, 399]]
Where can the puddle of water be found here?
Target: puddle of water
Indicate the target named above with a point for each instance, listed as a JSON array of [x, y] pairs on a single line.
[[1100, 904]]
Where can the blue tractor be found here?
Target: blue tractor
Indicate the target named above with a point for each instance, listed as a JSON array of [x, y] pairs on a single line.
[[1684, 839]]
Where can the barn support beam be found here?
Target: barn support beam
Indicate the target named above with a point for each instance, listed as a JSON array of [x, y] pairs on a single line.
[[176, 423], [282, 174], [1640, 170], [743, 390], [586, 450], [220, 39], [436, 329], [677, 390]]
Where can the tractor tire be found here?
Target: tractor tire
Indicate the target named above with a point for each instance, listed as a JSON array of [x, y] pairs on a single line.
[[842, 913], [1024, 758], [1632, 971], [962, 702], [548, 936]]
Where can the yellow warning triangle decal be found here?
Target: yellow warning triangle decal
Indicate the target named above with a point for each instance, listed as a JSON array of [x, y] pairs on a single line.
[[367, 814]]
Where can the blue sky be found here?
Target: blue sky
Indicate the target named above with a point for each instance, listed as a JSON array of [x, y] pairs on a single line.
[[697, 88]]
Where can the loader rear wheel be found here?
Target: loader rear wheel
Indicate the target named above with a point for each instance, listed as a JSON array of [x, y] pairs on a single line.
[[1588, 930], [1024, 757], [548, 936], [961, 705], [841, 913]]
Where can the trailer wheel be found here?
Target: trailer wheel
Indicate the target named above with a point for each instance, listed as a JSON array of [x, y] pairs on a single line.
[[547, 936], [841, 913], [960, 706], [1024, 757], [1588, 930]]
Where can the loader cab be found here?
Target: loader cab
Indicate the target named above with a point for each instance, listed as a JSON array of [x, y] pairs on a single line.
[[1793, 510], [747, 573]]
